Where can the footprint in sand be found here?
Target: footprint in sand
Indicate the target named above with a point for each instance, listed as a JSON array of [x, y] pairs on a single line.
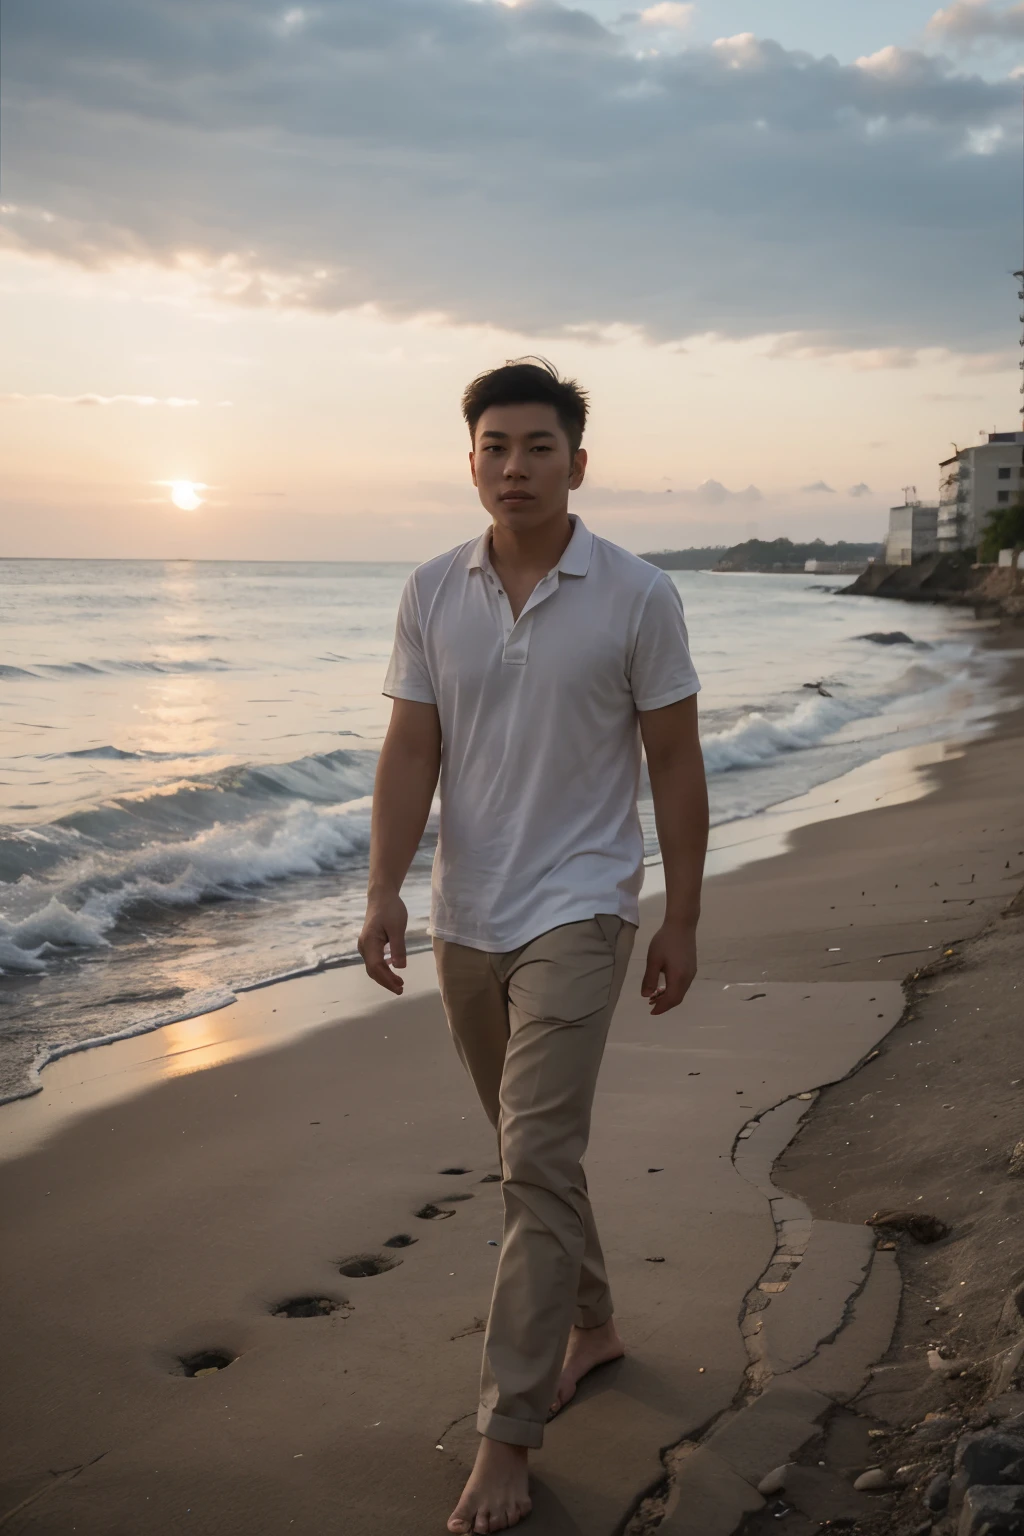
[[309, 1306], [434, 1212], [361, 1265], [205, 1363]]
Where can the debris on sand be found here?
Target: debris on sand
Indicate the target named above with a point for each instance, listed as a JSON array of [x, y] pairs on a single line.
[[917, 1224]]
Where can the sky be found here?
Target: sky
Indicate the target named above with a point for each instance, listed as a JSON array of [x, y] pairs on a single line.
[[252, 251]]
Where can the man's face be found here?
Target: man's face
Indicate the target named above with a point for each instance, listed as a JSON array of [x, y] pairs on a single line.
[[522, 465]]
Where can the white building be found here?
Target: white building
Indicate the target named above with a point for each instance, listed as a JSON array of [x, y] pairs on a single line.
[[913, 533], [975, 482]]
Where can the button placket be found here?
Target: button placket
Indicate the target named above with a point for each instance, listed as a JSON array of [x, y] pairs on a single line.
[[516, 647], [507, 621]]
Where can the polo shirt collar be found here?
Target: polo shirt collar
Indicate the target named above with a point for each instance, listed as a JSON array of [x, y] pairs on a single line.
[[575, 559]]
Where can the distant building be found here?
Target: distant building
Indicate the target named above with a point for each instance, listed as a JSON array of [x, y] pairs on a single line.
[[975, 482], [913, 533]]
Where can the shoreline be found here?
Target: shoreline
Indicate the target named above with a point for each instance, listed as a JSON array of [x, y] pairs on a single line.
[[261, 939], [893, 778], [189, 1212]]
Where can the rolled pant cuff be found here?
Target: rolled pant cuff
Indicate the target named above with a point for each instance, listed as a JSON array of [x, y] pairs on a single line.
[[594, 1317], [511, 1431]]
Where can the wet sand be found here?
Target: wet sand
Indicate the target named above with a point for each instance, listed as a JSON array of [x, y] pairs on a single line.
[[174, 1216]]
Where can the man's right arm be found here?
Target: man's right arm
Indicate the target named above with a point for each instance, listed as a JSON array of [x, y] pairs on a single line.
[[407, 774]]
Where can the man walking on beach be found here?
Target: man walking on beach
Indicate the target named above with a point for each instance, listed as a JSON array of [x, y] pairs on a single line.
[[528, 666]]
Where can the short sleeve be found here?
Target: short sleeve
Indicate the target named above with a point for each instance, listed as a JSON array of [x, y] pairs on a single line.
[[408, 676], [661, 671]]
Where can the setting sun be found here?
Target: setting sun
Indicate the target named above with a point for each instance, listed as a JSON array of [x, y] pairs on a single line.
[[184, 494]]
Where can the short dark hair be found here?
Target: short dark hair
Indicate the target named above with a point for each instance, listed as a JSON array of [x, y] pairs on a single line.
[[528, 381]]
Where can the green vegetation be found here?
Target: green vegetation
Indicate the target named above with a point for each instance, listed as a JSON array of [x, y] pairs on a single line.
[[761, 555], [1003, 530]]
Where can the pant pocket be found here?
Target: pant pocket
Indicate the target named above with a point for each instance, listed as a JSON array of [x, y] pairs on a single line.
[[611, 926], [566, 974]]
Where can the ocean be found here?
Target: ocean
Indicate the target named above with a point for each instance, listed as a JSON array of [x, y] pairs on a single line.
[[187, 754]]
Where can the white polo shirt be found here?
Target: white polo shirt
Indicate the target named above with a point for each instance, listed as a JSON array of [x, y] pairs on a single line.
[[540, 754]]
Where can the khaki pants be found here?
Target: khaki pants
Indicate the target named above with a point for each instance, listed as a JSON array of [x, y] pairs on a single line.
[[530, 1027]]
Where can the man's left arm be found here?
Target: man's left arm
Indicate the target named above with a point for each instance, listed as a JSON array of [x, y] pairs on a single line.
[[675, 764]]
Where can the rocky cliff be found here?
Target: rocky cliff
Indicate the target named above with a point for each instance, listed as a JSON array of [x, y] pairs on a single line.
[[991, 590]]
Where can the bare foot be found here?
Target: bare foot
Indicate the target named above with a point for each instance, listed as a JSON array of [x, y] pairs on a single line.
[[587, 1348], [497, 1495]]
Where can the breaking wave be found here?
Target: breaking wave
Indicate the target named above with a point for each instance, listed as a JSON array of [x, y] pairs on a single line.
[[44, 669], [68, 885], [116, 755], [759, 737], [91, 895]]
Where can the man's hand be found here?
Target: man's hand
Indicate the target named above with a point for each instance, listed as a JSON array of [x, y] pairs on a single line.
[[672, 955], [383, 928]]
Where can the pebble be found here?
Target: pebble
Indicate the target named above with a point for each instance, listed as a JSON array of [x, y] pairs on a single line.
[[936, 1495], [1016, 1165], [950, 1368], [774, 1481], [936, 1429], [871, 1480], [1006, 1369]]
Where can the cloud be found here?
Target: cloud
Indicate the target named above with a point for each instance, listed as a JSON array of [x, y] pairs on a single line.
[[668, 14], [710, 493], [819, 485], [809, 347], [860, 489], [357, 152], [986, 362], [970, 21], [174, 401]]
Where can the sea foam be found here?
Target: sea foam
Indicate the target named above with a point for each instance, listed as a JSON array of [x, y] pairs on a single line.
[[77, 907]]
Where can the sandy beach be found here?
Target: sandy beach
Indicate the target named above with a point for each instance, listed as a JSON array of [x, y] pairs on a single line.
[[156, 1213]]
